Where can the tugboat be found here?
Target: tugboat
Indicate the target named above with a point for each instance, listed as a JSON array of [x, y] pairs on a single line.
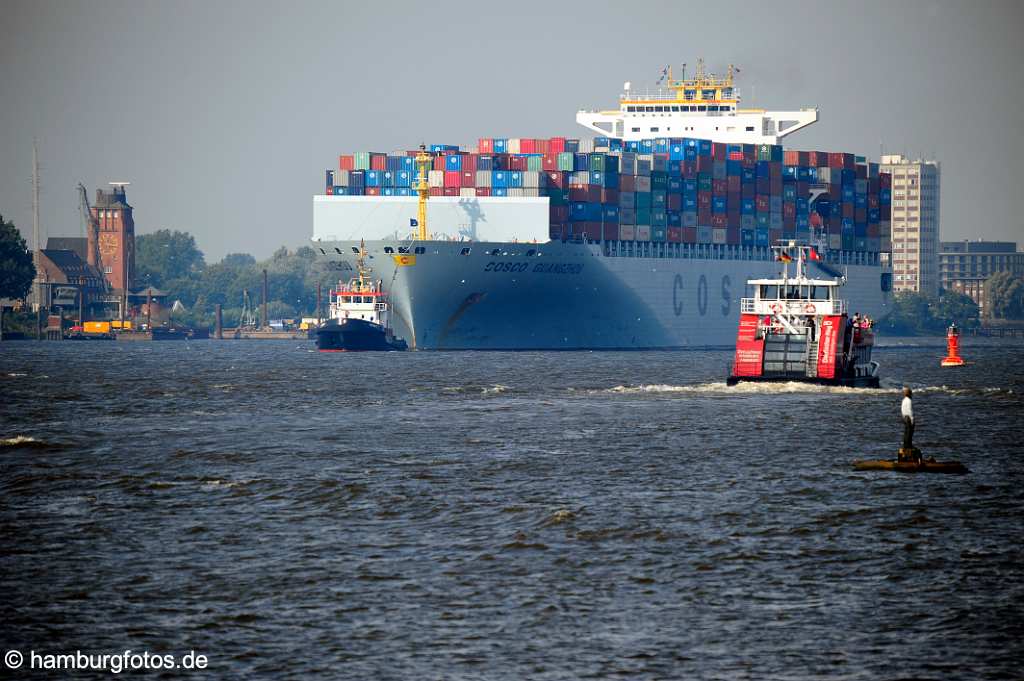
[[359, 315], [797, 328]]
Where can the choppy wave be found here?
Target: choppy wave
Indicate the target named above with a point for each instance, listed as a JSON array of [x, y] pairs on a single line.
[[738, 389]]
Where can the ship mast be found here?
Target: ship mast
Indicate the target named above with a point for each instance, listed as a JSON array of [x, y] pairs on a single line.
[[423, 162]]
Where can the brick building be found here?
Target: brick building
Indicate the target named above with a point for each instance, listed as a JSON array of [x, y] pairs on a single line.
[[111, 245], [965, 265]]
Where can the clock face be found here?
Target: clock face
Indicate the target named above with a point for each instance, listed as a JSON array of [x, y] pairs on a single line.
[[108, 243]]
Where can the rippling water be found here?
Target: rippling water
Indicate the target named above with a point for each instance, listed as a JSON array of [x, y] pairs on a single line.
[[292, 514]]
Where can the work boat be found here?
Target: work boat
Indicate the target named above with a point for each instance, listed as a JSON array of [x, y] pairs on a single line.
[[797, 328], [359, 315]]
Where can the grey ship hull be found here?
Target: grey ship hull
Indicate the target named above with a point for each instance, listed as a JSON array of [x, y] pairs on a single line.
[[568, 296]]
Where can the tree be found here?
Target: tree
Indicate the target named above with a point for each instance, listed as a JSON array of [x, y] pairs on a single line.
[[1005, 296], [954, 306], [164, 256], [16, 267], [908, 314], [238, 260]]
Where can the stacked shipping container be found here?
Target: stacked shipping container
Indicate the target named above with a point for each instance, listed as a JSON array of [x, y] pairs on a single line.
[[678, 190]]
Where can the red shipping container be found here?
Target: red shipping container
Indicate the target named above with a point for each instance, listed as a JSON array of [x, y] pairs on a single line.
[[788, 224], [862, 172], [373, 191], [627, 183], [557, 232], [873, 230], [705, 164], [517, 163], [346, 162], [703, 200], [527, 146], [688, 170], [732, 235], [483, 191], [452, 178], [735, 217], [791, 158], [775, 170], [330, 191], [718, 151], [610, 231], [735, 156], [719, 187], [703, 217], [451, 191], [675, 202], [592, 230], [847, 210], [550, 162], [675, 234], [558, 179], [750, 156], [884, 181], [556, 145], [733, 183], [468, 178], [764, 185], [610, 196], [835, 160], [763, 203], [438, 162], [817, 159], [541, 146], [378, 161], [720, 220], [689, 235], [437, 191], [748, 190], [774, 235], [485, 145], [860, 215], [788, 210], [469, 162], [775, 186], [558, 213]]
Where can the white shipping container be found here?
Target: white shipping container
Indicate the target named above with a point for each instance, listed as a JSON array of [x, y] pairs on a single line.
[[531, 191], [704, 235], [587, 146], [435, 178], [825, 175], [643, 183], [483, 178], [643, 233], [718, 235], [835, 241], [341, 178], [580, 177], [516, 192], [627, 232], [513, 145], [531, 179], [467, 191]]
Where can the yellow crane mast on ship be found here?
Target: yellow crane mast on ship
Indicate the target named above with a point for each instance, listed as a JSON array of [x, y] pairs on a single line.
[[423, 162]]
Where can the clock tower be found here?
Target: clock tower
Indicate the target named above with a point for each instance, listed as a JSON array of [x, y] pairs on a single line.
[[114, 229]]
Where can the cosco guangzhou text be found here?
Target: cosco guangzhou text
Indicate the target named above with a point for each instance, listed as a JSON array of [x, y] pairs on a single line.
[[540, 268]]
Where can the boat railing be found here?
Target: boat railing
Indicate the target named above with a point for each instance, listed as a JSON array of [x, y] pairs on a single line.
[[803, 306]]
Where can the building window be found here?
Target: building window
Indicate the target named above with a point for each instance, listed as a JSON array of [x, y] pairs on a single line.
[[108, 269]]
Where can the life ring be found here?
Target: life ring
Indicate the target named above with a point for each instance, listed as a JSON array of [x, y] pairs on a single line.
[[810, 308], [776, 308]]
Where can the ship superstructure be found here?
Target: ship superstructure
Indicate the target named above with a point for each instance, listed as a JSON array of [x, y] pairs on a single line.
[[704, 106]]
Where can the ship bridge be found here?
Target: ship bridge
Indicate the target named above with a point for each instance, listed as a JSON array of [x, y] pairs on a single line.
[[704, 106]]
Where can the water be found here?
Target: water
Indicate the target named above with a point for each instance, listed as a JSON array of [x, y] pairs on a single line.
[[291, 514]]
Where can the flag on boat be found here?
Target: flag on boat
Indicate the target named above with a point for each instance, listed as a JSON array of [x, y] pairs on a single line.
[[813, 254], [785, 257]]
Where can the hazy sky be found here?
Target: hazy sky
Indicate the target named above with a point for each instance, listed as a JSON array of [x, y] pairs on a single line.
[[224, 115]]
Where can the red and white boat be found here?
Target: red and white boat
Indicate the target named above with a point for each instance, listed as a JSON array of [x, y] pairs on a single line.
[[797, 328]]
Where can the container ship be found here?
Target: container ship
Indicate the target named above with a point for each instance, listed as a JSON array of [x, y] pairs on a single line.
[[641, 237]]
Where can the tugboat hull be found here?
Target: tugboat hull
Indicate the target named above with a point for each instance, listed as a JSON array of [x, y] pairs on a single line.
[[356, 335], [847, 382]]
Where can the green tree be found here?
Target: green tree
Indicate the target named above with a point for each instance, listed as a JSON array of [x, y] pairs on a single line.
[[238, 260], [1005, 296], [908, 314], [954, 306], [16, 267], [164, 256]]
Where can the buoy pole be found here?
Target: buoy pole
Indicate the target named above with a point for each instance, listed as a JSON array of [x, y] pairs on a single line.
[[952, 358]]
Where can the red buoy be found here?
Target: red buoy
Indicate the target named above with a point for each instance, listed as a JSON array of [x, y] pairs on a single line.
[[952, 358]]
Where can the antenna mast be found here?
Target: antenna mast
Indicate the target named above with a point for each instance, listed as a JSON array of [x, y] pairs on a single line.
[[35, 222], [423, 162]]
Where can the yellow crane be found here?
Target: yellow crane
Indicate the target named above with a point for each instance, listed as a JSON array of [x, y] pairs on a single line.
[[423, 162]]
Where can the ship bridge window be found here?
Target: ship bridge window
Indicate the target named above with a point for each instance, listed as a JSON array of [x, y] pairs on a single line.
[[420, 250], [702, 108], [530, 253], [403, 249], [355, 250], [631, 109], [496, 251], [388, 249], [636, 129], [750, 128], [712, 108], [655, 129], [659, 108], [769, 292], [675, 108], [465, 251], [649, 108]]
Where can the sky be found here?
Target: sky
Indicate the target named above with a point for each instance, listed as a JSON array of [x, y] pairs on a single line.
[[224, 115]]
